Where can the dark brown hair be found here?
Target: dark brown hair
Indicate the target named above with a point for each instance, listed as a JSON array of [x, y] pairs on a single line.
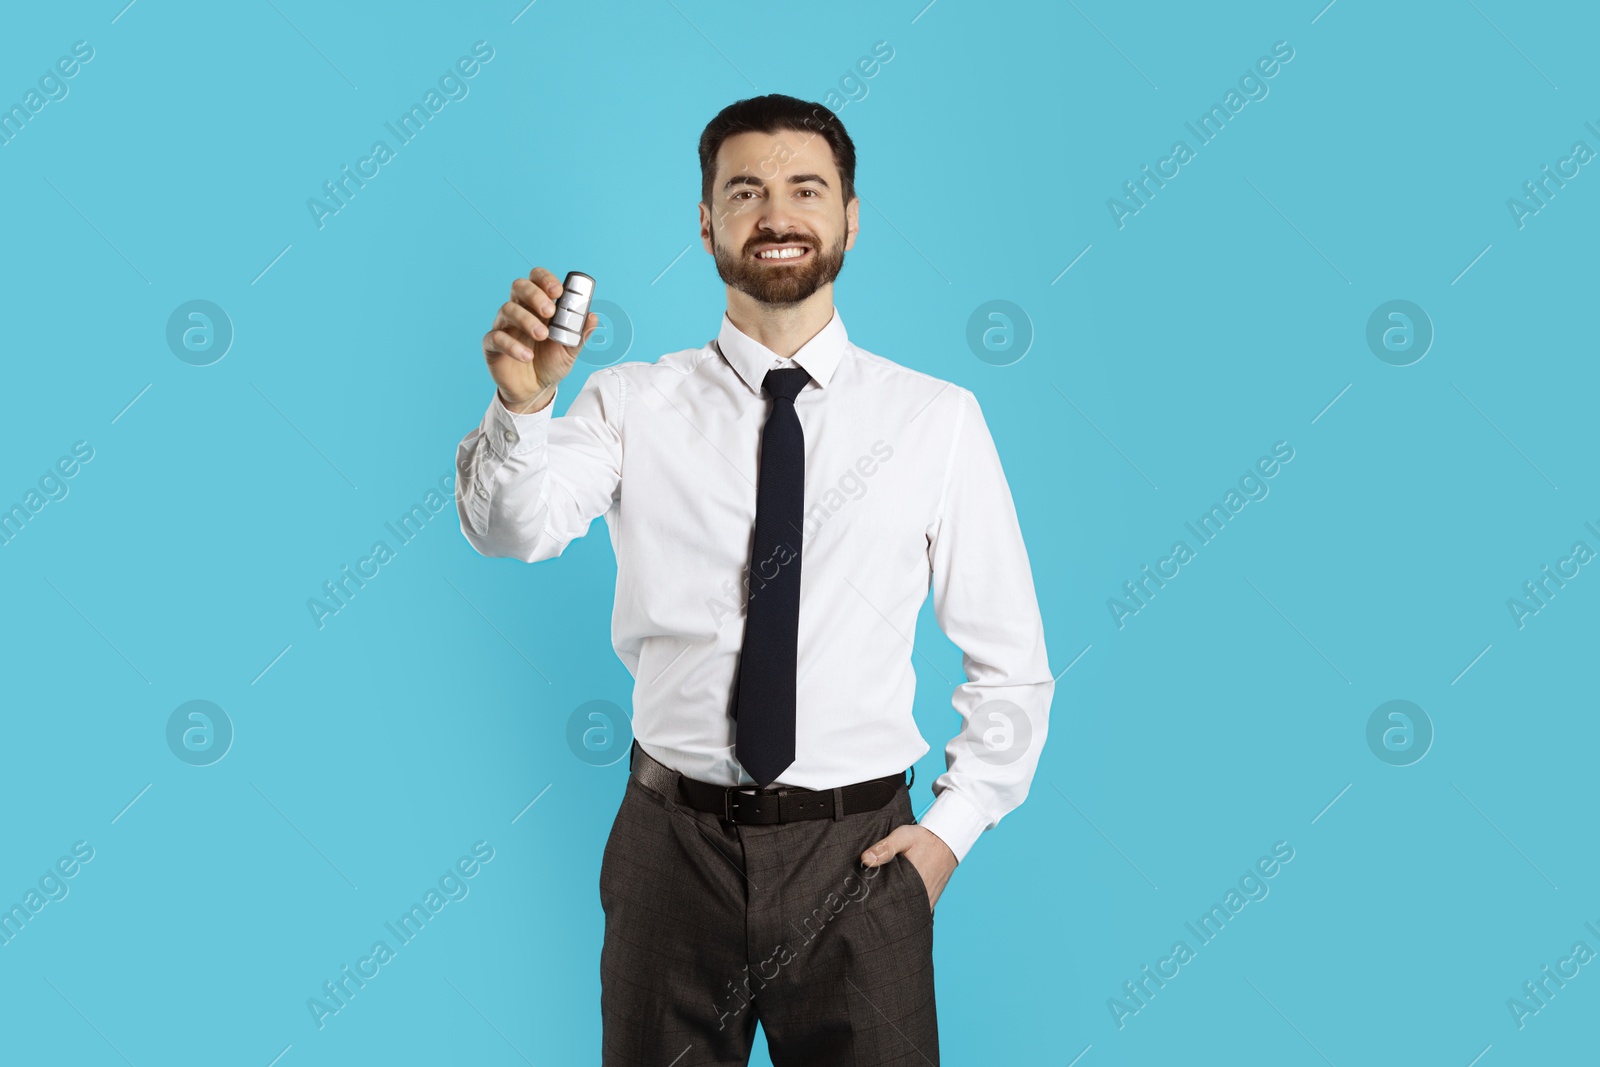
[[769, 114]]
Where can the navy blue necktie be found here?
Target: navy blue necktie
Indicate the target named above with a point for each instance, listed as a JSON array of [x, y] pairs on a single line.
[[764, 701]]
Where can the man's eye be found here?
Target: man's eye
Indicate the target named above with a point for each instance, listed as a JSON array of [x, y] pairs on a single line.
[[813, 192]]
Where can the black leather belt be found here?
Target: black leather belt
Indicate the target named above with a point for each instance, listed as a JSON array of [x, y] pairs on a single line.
[[745, 804]]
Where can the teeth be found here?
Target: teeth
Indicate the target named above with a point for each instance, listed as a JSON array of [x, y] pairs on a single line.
[[782, 253]]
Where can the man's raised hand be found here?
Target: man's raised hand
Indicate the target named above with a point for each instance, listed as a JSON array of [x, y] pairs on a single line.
[[524, 362]]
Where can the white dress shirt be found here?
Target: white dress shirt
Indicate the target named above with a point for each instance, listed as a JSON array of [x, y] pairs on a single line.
[[903, 492]]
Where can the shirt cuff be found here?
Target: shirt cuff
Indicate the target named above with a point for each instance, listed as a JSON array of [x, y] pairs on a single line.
[[955, 821], [511, 434]]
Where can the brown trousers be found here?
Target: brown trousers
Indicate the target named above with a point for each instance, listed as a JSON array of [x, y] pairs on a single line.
[[711, 926]]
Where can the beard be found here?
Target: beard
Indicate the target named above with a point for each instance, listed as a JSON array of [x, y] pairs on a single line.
[[779, 283]]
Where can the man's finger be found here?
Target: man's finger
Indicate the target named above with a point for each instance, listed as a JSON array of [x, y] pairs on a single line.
[[513, 314], [499, 341], [531, 296], [545, 281]]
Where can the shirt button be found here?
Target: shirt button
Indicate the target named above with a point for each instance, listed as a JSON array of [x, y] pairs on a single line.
[[511, 435], [482, 493]]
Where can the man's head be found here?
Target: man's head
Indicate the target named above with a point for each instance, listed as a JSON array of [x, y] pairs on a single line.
[[775, 173]]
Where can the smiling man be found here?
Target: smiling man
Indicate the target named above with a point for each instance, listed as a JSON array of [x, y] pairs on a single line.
[[765, 863]]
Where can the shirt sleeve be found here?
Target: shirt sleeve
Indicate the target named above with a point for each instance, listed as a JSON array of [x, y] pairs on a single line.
[[984, 602], [526, 485]]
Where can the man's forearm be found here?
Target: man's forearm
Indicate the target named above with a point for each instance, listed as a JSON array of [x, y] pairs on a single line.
[[501, 471]]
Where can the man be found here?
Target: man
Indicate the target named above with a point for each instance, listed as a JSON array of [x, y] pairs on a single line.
[[765, 862]]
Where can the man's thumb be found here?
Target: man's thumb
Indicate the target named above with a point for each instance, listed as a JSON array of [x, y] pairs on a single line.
[[883, 851], [591, 324]]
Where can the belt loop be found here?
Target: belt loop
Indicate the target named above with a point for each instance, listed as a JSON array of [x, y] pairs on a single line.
[[913, 781], [838, 803], [675, 791]]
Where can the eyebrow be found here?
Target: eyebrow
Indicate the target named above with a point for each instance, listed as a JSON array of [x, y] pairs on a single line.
[[751, 179]]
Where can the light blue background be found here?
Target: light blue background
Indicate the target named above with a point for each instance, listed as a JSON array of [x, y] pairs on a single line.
[[1228, 314]]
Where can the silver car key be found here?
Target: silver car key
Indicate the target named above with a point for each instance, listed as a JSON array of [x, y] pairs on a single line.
[[572, 309]]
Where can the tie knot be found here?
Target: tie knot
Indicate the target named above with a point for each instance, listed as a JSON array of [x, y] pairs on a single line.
[[786, 382]]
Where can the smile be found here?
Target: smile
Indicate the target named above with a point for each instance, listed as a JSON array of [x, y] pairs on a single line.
[[785, 252]]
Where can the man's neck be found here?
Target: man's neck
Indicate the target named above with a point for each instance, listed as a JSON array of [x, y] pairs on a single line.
[[784, 330]]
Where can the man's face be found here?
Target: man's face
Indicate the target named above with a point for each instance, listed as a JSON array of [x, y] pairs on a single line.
[[776, 191]]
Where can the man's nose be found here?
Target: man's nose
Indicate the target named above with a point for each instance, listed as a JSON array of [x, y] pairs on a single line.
[[776, 217]]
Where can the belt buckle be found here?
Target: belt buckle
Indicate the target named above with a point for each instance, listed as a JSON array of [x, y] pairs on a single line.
[[727, 798]]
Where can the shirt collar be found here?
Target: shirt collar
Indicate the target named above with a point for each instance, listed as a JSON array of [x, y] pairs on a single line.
[[820, 356]]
